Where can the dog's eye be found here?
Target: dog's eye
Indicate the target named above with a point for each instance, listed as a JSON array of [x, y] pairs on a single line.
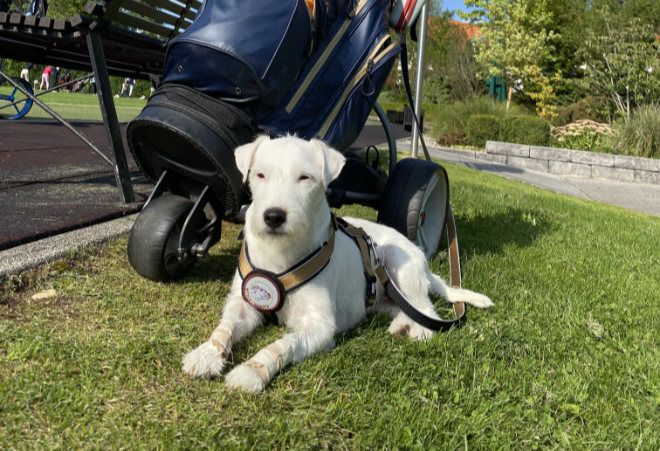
[[260, 175], [304, 178]]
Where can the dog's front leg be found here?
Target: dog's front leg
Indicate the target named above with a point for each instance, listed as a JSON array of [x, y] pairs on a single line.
[[238, 320], [307, 339]]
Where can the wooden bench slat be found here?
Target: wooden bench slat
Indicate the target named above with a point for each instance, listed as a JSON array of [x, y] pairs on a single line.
[[94, 8], [152, 14], [144, 25], [59, 24], [45, 22], [15, 18], [30, 21]]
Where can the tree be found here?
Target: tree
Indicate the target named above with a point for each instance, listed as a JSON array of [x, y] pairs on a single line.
[[623, 62], [450, 60], [514, 41], [450, 71], [543, 93]]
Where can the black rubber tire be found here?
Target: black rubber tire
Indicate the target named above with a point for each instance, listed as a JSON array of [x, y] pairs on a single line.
[[415, 202], [154, 239]]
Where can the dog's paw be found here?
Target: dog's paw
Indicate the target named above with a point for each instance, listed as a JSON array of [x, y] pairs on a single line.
[[205, 360], [470, 297], [480, 301], [245, 378], [402, 326], [417, 332]]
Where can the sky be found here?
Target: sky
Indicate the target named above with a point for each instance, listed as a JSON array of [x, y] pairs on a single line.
[[454, 5]]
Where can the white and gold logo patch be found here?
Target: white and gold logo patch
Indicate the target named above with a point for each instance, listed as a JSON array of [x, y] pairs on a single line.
[[262, 292]]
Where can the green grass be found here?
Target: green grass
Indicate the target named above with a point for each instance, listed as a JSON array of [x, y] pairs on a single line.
[[78, 106], [568, 358]]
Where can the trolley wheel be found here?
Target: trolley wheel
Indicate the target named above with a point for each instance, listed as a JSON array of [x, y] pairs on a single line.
[[154, 239], [415, 202], [17, 104]]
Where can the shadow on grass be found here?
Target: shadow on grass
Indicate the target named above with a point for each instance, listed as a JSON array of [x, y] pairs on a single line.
[[214, 267], [491, 233], [482, 234]]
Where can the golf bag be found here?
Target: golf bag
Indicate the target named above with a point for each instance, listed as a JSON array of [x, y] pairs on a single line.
[[275, 67]]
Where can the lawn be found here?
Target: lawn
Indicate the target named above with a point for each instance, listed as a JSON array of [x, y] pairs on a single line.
[[77, 105], [568, 358]]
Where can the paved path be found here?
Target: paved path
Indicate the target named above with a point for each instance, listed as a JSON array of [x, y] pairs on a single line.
[[641, 197], [51, 182]]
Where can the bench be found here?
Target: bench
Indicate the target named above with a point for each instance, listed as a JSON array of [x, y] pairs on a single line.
[[126, 38]]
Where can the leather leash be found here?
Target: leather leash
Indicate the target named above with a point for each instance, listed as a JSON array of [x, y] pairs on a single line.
[[452, 238]]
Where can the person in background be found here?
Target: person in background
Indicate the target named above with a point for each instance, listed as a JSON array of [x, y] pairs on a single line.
[[55, 76], [25, 72], [45, 77], [124, 87]]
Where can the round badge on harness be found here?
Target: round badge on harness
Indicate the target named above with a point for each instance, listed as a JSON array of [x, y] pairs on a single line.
[[263, 291]]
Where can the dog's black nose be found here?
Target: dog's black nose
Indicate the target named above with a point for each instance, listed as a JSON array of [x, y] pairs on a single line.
[[274, 217]]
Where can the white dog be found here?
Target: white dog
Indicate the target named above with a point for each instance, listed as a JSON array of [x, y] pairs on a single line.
[[288, 220]]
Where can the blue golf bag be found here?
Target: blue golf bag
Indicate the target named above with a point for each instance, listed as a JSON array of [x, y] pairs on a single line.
[[245, 67]]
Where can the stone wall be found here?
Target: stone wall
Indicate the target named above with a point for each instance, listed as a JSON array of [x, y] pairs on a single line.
[[578, 163]]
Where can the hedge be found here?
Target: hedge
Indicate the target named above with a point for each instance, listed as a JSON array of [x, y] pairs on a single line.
[[525, 130], [481, 128]]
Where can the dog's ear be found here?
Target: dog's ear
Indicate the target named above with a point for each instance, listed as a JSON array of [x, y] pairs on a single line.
[[331, 162], [244, 155]]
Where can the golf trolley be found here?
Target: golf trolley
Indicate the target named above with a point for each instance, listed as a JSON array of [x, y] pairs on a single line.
[[315, 78]]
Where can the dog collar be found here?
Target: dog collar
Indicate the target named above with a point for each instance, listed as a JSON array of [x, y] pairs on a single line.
[[265, 290]]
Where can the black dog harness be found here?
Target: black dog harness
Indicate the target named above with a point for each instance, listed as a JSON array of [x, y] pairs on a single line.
[[266, 291]]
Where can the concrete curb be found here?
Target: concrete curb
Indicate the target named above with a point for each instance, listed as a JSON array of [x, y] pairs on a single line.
[[20, 258], [577, 163]]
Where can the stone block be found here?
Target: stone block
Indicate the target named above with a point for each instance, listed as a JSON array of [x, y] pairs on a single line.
[[491, 157], [550, 153], [648, 177], [625, 175], [595, 158], [569, 168], [643, 164], [527, 163], [500, 148]]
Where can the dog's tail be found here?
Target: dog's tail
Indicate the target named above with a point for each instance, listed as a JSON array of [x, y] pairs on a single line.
[[439, 287]]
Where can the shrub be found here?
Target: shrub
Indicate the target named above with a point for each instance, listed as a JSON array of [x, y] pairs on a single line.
[[641, 135], [584, 134], [481, 128], [591, 107], [525, 130], [452, 139], [450, 121]]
